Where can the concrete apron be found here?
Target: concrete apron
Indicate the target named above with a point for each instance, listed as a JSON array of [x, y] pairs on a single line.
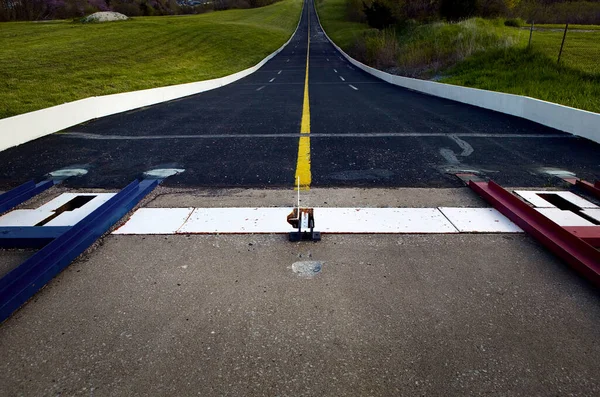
[[353, 314]]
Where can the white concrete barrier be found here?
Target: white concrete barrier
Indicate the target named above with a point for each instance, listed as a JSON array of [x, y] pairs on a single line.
[[26, 127], [575, 121]]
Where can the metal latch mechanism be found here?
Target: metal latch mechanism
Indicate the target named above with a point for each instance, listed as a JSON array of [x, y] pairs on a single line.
[[303, 219]]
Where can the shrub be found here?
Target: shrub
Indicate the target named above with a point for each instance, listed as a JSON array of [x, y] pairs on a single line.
[[455, 10], [379, 15], [514, 22]]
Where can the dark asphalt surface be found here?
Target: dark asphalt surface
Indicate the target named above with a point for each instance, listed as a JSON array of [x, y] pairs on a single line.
[[243, 135]]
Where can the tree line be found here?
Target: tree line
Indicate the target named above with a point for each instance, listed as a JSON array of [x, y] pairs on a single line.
[[33, 10], [384, 13]]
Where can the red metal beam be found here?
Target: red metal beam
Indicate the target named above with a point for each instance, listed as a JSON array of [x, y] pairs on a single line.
[[580, 255], [589, 234], [589, 188], [593, 189]]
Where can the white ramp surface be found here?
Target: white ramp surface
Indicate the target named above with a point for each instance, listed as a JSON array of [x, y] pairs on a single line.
[[564, 218], [31, 217], [533, 197], [479, 220]]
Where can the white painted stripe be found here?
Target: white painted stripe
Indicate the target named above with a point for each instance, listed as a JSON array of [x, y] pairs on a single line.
[[564, 217], [341, 78], [327, 59], [479, 220], [335, 70], [353, 87], [532, 196], [279, 72], [273, 79], [328, 220], [382, 220], [287, 60], [155, 221], [238, 220], [260, 88]]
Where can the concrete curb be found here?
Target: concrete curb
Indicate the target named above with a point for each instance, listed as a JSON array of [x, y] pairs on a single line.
[[575, 121], [26, 127]]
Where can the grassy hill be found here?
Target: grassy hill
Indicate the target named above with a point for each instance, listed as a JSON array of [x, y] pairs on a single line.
[[480, 53], [49, 63]]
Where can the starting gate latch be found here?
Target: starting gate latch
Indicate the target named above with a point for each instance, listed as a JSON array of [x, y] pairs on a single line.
[[303, 219]]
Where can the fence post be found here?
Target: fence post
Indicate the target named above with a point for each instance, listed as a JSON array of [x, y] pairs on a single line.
[[563, 42], [530, 34]]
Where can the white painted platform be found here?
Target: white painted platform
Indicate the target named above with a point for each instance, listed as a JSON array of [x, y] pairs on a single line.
[[328, 220], [593, 213], [564, 218], [479, 220], [24, 217], [31, 217], [532, 196]]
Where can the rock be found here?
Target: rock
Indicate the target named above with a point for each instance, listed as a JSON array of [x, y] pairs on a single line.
[[105, 16]]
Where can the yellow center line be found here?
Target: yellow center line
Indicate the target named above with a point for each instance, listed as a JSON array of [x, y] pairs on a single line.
[[303, 174]]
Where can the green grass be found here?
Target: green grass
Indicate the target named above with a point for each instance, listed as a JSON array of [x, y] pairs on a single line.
[[46, 64], [516, 70], [562, 26], [480, 53], [332, 16]]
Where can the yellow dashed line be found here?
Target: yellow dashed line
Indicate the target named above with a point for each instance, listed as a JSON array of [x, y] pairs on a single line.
[[303, 174]]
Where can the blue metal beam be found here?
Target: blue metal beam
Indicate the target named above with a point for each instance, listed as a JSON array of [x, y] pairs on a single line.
[[29, 236], [20, 194], [20, 284]]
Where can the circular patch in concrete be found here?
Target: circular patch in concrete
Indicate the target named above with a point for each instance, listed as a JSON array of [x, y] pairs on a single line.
[[68, 172], [307, 268], [162, 173]]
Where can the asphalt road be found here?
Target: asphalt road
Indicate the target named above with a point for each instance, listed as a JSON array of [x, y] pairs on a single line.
[[364, 132]]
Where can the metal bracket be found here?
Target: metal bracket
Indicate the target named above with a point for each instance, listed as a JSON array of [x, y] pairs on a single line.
[[303, 219]]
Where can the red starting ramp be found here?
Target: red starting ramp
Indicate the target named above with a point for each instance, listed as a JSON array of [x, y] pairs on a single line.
[[575, 243]]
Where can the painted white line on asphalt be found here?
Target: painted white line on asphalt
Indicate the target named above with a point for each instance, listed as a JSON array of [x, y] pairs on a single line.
[[279, 72], [260, 88], [270, 81], [479, 220], [288, 60], [353, 87], [341, 78], [327, 59], [335, 70], [533, 197], [328, 220], [165, 221]]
